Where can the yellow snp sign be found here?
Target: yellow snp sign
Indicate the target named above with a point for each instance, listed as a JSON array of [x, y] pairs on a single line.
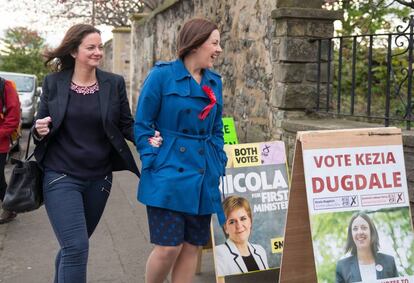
[[277, 245]]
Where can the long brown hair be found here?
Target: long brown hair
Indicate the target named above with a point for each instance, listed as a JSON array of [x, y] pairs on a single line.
[[70, 43], [193, 34]]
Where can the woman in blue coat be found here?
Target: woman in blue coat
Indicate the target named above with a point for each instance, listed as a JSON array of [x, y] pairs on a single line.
[[182, 100]]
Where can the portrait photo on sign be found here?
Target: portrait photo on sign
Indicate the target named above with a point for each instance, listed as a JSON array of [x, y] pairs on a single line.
[[363, 245], [255, 193]]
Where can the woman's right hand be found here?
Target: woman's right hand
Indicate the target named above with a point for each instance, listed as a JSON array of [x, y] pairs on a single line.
[[156, 140], [42, 126]]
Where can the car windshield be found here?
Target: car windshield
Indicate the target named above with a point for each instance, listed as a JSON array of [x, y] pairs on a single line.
[[23, 83]]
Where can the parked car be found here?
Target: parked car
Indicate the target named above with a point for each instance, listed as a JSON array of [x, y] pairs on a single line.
[[26, 85], [39, 94]]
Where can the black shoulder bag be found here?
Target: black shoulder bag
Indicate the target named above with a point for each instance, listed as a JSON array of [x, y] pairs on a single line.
[[24, 192]]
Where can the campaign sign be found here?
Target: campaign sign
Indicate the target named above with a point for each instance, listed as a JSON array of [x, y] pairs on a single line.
[[358, 206], [229, 131], [255, 198]]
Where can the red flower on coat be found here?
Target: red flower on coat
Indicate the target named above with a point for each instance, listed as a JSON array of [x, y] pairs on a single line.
[[210, 94]]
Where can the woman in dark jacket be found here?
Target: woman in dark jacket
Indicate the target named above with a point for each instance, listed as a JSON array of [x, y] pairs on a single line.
[[81, 127], [365, 263]]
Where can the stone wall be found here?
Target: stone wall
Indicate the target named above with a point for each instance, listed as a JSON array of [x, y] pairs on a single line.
[[294, 54], [107, 63], [121, 44], [117, 53], [408, 141]]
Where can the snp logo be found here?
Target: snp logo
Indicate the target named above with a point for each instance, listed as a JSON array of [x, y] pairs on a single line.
[[277, 245]]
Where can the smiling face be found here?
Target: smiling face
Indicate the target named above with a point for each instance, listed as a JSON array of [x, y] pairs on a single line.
[[90, 51], [207, 53], [361, 233], [238, 226]]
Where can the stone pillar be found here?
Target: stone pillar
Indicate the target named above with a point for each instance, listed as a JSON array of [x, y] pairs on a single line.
[[107, 63], [408, 141], [121, 45], [294, 56], [138, 32]]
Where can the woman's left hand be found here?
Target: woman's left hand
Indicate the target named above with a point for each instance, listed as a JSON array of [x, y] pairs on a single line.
[[156, 140]]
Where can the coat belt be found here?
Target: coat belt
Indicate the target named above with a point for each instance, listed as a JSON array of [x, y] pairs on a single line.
[[183, 135], [217, 205]]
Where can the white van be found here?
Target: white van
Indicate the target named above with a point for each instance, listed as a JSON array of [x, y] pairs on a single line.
[[26, 85]]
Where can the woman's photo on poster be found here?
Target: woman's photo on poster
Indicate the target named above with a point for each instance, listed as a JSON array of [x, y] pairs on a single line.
[[238, 254]]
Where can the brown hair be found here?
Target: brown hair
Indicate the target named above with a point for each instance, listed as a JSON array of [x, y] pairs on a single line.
[[70, 43], [193, 34], [350, 245]]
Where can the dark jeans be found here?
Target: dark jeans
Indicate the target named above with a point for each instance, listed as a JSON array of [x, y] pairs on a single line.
[[3, 184], [74, 208]]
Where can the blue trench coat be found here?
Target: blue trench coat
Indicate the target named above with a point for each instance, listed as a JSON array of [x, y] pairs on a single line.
[[183, 174]]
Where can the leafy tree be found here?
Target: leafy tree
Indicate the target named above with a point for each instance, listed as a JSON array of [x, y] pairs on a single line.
[[398, 81], [364, 17], [114, 13], [23, 52], [367, 16], [406, 3], [109, 12]]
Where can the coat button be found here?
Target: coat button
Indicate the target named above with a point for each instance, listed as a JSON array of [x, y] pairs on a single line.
[[202, 132], [185, 131], [120, 150], [201, 151], [111, 137], [181, 169], [201, 171], [182, 149]]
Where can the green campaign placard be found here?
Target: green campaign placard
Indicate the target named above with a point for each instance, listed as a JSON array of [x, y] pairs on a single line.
[[229, 130]]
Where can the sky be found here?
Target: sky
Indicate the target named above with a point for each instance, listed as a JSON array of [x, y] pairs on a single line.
[[52, 32]]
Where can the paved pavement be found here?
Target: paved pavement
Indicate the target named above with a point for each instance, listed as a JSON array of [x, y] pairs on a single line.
[[118, 249]]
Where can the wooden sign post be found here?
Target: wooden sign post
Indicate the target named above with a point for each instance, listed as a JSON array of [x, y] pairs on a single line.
[[344, 181]]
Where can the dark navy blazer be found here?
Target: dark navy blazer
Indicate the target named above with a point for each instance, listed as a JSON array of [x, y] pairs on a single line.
[[116, 114], [347, 269]]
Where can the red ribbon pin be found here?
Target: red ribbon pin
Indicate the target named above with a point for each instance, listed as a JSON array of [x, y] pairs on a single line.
[[210, 94]]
